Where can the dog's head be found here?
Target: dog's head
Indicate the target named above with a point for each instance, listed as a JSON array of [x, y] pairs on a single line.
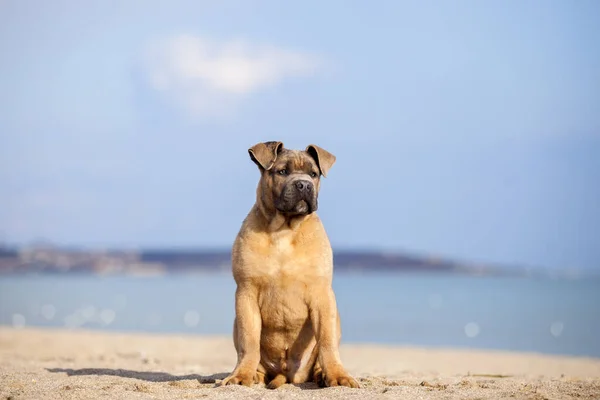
[[290, 179]]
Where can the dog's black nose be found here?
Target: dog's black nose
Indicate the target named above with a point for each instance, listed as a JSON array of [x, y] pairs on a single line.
[[303, 185]]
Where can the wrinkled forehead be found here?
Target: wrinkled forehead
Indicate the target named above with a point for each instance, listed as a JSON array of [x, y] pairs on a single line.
[[296, 160]]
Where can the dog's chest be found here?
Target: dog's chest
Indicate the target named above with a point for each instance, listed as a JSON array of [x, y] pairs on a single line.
[[287, 254], [282, 255], [282, 247]]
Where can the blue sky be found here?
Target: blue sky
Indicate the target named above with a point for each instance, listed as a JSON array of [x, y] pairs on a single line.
[[463, 129]]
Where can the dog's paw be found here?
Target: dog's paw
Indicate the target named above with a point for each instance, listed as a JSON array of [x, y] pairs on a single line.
[[276, 382], [240, 378], [339, 377]]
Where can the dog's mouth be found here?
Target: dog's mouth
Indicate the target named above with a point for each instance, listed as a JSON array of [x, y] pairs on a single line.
[[299, 207], [298, 197], [302, 207]]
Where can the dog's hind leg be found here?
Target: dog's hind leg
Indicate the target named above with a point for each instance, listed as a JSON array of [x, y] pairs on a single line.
[[318, 376], [261, 374], [279, 380]]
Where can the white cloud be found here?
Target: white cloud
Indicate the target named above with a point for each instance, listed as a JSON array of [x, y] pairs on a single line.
[[209, 77]]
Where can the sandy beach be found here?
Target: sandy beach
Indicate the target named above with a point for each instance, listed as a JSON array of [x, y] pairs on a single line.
[[68, 364]]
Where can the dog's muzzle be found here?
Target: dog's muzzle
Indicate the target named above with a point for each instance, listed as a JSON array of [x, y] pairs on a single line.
[[297, 197]]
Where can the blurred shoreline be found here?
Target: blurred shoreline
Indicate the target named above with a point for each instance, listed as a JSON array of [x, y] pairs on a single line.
[[157, 262]]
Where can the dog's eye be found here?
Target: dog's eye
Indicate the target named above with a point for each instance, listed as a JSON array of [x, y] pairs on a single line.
[[282, 172], [313, 174]]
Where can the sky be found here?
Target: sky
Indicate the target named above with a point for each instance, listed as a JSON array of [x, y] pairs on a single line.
[[467, 129]]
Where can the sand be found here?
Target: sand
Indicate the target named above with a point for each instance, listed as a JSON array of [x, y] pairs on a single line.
[[78, 364]]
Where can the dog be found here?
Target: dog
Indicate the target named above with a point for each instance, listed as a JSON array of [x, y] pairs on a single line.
[[287, 326]]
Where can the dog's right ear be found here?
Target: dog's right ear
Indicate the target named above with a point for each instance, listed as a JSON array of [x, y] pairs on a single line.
[[265, 154]]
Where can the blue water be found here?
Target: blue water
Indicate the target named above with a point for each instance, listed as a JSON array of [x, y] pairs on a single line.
[[522, 314]]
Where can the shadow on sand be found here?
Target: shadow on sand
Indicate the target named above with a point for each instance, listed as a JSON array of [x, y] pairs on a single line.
[[151, 376], [142, 375]]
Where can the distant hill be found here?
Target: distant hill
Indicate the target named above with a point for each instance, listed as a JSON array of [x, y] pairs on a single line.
[[54, 259], [49, 259], [191, 259]]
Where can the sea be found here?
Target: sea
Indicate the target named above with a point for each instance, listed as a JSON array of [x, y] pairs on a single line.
[[526, 314]]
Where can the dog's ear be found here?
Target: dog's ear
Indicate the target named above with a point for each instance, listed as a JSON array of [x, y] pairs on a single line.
[[323, 158], [265, 154]]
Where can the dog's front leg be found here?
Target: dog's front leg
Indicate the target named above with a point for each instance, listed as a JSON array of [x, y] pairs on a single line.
[[324, 317], [247, 336]]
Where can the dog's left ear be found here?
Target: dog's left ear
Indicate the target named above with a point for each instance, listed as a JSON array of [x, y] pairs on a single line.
[[265, 154], [322, 157]]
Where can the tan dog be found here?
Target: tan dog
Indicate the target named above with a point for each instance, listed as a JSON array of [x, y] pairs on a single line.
[[287, 327]]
